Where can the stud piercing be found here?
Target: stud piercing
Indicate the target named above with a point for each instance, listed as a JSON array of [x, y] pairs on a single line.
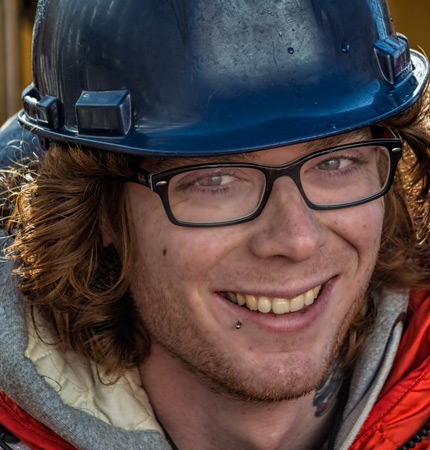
[[238, 325]]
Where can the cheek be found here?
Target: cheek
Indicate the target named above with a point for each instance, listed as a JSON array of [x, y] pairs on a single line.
[[360, 226], [191, 253], [177, 252]]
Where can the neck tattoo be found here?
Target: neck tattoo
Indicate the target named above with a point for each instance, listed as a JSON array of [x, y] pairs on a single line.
[[327, 392]]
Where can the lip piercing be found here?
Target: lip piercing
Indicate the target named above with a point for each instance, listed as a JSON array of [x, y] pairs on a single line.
[[238, 325]]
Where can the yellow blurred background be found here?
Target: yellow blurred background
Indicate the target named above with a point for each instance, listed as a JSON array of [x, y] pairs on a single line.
[[411, 17]]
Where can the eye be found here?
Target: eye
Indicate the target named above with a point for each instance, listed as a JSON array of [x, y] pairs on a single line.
[[336, 163], [220, 180], [208, 178], [214, 180]]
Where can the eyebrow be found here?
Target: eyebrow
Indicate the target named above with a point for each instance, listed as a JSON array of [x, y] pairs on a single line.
[[339, 139], [161, 164]]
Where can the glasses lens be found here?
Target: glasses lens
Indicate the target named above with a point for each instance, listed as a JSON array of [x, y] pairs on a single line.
[[213, 195], [346, 175]]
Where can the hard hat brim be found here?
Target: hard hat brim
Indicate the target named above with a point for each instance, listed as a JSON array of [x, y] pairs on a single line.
[[224, 132]]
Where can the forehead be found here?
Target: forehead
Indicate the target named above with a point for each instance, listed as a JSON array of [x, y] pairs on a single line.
[[267, 156]]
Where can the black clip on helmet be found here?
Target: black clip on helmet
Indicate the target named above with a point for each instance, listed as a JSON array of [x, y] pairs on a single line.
[[194, 78]]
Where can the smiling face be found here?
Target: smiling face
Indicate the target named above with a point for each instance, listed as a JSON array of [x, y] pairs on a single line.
[[293, 277]]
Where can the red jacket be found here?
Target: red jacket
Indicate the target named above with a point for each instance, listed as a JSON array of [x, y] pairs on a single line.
[[29, 430], [402, 412], [400, 418]]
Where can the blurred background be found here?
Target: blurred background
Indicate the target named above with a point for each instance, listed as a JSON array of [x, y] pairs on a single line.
[[411, 17]]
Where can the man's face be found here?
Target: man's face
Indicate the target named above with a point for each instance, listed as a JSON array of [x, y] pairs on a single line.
[[186, 282]]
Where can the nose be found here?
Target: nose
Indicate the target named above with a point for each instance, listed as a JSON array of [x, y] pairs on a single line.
[[287, 226]]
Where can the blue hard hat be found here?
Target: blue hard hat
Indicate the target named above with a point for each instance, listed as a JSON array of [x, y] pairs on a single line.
[[194, 78]]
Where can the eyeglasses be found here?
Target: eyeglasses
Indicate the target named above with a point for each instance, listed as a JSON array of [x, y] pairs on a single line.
[[219, 194]]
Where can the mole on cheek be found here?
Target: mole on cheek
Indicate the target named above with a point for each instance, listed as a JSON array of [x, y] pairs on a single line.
[[164, 251]]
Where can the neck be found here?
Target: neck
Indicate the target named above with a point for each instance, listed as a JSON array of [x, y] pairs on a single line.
[[196, 417]]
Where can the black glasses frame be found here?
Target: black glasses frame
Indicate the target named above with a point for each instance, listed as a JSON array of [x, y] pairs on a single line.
[[158, 182]]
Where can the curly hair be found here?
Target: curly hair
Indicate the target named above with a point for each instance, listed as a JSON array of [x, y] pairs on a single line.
[[80, 287], [62, 204]]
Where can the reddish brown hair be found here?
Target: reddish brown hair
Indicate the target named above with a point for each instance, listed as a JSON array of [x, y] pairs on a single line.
[[62, 204]]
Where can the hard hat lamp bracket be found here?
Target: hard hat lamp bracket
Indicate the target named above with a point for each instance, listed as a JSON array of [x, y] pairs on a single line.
[[394, 59], [42, 111], [104, 113]]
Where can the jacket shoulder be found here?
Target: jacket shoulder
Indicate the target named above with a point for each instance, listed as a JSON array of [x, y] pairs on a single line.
[[16, 143], [403, 407], [31, 432]]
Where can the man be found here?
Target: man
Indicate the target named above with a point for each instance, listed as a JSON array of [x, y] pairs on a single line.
[[208, 253]]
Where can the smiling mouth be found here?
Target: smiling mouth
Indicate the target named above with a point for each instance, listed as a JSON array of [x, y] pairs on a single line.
[[265, 304]]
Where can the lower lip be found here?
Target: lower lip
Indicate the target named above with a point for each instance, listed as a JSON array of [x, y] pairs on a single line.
[[282, 323]]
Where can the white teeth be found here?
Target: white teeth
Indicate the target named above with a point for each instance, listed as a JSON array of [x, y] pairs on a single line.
[[251, 302], [240, 299], [264, 305], [297, 303], [276, 305], [309, 297], [280, 305]]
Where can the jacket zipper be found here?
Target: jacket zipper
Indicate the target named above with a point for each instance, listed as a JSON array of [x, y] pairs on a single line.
[[6, 437], [417, 438]]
